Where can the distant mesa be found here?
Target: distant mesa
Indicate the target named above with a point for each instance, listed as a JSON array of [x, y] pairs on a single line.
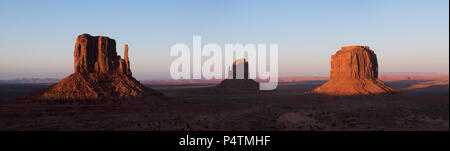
[[354, 71], [99, 73], [238, 78], [30, 81]]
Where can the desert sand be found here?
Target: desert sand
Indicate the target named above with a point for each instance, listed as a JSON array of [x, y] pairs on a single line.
[[202, 107]]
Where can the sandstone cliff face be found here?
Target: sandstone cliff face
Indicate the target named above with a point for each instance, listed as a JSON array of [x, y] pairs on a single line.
[[239, 70], [99, 73], [354, 71], [98, 55], [239, 80], [354, 62]]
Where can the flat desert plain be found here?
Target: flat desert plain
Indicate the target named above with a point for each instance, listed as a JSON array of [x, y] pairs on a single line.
[[423, 104]]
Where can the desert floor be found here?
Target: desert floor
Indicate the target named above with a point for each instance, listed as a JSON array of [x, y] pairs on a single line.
[[421, 105]]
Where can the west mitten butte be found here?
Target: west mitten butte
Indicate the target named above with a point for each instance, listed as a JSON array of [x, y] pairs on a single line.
[[99, 73]]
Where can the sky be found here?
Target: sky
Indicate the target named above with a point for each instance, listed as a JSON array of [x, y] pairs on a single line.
[[37, 37]]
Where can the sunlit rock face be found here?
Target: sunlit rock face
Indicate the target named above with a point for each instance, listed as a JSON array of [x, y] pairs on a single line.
[[354, 71], [99, 73], [97, 54]]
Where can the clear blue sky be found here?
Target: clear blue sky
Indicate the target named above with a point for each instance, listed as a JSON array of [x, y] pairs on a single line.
[[37, 37]]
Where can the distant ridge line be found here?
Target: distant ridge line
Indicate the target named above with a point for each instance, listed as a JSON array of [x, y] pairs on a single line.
[[215, 81]]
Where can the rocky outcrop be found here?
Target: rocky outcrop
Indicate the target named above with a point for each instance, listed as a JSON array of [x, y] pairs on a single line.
[[239, 84], [98, 55], [99, 73], [239, 70], [238, 78], [354, 71]]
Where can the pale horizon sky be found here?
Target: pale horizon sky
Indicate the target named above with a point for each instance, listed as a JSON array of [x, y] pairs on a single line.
[[37, 37]]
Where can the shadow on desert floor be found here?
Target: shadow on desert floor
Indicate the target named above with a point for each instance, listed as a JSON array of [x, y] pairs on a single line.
[[202, 107]]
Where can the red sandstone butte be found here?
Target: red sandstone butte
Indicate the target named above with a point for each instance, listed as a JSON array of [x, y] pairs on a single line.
[[99, 73], [354, 71], [239, 79]]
